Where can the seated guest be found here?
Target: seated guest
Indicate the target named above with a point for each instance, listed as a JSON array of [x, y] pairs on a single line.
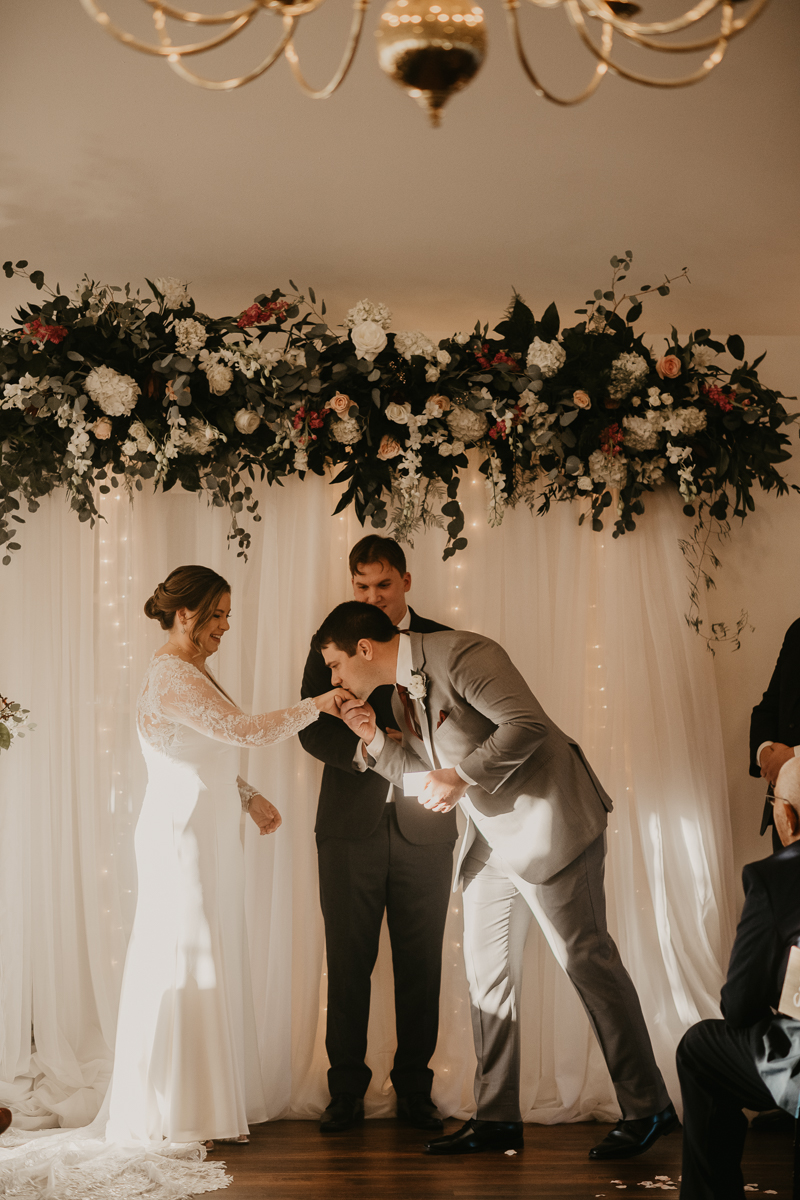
[[751, 1059]]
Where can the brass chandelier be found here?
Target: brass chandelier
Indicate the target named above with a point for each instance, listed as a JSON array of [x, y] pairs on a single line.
[[434, 48]]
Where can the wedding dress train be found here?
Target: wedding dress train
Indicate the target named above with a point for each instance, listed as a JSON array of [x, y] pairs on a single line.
[[186, 1064]]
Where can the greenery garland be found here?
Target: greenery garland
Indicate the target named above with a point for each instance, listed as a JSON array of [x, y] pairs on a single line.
[[13, 722], [104, 388]]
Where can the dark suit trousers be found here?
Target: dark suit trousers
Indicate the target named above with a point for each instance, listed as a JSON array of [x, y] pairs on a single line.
[[718, 1077], [360, 879]]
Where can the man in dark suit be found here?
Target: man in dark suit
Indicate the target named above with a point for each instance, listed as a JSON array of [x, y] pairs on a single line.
[[775, 723], [378, 852], [751, 1059]]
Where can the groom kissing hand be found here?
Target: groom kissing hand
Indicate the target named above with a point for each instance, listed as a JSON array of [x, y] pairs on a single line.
[[379, 852], [534, 846]]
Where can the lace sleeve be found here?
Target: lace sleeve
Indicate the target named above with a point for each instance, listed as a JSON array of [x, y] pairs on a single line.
[[187, 696], [246, 792]]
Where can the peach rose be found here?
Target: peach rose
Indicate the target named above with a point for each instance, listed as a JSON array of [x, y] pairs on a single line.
[[436, 406], [389, 448], [669, 367], [102, 429], [581, 399], [340, 404]]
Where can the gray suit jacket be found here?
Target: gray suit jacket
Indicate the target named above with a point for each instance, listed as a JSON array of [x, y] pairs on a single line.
[[535, 798]]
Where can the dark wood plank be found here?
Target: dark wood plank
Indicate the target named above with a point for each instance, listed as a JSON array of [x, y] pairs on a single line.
[[382, 1160]]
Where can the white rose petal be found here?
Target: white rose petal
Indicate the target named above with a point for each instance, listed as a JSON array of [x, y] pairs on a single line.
[[369, 339]]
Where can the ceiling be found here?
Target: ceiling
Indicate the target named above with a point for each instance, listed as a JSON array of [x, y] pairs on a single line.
[[113, 166]]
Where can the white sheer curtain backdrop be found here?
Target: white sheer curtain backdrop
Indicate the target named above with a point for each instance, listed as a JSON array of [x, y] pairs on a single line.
[[596, 626]]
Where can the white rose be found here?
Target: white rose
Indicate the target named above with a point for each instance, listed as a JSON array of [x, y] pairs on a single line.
[[432, 373], [461, 339], [442, 357], [247, 421], [585, 483], [398, 413], [174, 291], [369, 339], [219, 378]]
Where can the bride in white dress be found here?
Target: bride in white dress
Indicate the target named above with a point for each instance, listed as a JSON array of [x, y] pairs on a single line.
[[186, 1065]]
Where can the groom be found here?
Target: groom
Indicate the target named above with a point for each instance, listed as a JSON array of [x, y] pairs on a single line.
[[534, 844]]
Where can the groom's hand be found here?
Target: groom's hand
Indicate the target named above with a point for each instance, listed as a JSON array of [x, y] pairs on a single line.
[[442, 790], [359, 716]]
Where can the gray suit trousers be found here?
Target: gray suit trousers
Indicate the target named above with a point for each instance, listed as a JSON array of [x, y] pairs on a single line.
[[570, 909]]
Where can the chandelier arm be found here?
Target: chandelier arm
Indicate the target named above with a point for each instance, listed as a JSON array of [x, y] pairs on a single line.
[[228, 85], [128, 39], [576, 17], [511, 7], [359, 13], [638, 31], [705, 44], [193, 18]]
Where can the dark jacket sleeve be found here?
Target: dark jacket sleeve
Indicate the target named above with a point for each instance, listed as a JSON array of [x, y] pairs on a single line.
[[768, 718], [328, 739], [749, 990]]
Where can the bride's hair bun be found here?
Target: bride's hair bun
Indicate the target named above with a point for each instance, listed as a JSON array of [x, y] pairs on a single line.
[[197, 589], [155, 609]]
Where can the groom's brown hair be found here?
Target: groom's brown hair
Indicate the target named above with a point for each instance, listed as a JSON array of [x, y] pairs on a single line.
[[349, 623]]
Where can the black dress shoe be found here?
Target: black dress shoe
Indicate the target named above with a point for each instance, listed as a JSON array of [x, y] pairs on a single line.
[[343, 1112], [629, 1138], [479, 1135], [418, 1109]]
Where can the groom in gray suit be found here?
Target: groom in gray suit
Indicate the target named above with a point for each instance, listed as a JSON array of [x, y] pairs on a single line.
[[534, 845]]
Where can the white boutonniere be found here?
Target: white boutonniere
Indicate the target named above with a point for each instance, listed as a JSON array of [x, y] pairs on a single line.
[[418, 687]]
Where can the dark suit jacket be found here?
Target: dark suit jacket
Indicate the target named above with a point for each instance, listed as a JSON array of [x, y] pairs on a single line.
[[769, 927], [776, 718], [351, 803]]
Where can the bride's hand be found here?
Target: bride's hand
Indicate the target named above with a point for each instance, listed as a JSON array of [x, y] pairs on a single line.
[[331, 702]]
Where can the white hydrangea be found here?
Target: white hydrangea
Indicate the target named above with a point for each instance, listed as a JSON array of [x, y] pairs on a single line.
[[294, 356], [650, 472], [190, 337], [627, 372], [687, 421], [466, 425], [300, 460], [608, 468], [196, 437], [113, 393], [412, 342], [346, 430], [174, 291], [641, 433], [549, 357], [367, 310]]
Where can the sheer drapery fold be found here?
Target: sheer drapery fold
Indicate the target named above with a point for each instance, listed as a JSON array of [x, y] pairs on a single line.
[[596, 626]]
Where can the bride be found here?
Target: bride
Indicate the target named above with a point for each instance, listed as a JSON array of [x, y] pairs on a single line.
[[186, 1065]]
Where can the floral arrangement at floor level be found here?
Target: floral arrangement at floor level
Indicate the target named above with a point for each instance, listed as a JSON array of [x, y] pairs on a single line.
[[13, 722], [104, 388]]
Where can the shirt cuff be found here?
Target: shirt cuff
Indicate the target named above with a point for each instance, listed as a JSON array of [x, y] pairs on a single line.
[[359, 762], [463, 775], [375, 748], [763, 746]]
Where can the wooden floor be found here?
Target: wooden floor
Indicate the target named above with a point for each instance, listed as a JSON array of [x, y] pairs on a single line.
[[382, 1160]]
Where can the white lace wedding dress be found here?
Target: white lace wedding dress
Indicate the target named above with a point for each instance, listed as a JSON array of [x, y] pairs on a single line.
[[186, 1063]]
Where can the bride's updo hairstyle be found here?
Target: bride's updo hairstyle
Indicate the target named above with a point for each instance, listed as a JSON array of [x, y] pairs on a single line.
[[199, 589]]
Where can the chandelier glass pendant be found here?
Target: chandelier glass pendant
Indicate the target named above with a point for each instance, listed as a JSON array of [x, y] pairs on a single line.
[[434, 48]]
